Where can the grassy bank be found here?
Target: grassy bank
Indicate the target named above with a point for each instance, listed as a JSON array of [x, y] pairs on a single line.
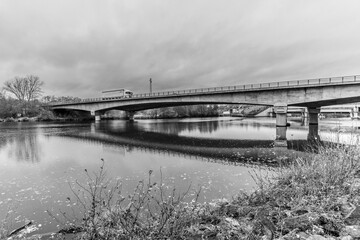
[[316, 197], [313, 196]]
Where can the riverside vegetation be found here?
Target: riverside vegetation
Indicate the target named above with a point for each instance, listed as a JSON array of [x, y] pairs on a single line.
[[315, 197], [21, 101]]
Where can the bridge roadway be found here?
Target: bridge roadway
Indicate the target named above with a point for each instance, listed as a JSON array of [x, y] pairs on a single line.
[[309, 93]]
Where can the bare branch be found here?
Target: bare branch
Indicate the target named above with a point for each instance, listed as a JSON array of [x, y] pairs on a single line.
[[33, 87], [24, 88]]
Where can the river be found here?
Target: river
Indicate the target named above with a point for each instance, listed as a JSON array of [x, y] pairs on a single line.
[[38, 161]]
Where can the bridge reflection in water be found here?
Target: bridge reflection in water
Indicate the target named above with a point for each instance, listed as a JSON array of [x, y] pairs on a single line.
[[164, 139], [189, 139]]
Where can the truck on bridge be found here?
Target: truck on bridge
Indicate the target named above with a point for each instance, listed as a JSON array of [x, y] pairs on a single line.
[[116, 94]]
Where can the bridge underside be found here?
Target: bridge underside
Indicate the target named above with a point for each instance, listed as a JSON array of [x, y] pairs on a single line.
[[311, 96], [153, 105], [146, 106], [329, 102]]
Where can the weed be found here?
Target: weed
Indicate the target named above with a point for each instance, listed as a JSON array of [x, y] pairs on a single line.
[[320, 184], [150, 212]]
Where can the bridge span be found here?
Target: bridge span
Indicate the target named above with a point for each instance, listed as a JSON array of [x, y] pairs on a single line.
[[310, 93]]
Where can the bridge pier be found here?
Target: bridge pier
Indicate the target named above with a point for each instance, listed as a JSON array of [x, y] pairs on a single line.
[[96, 114], [304, 113], [313, 124], [281, 125], [130, 115], [355, 112]]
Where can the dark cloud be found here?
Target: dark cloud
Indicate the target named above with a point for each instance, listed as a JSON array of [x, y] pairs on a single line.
[[82, 47]]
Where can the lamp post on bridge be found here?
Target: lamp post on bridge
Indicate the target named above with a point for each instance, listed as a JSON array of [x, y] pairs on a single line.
[[150, 86]]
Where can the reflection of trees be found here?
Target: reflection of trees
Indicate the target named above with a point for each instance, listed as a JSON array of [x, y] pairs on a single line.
[[215, 150], [178, 127], [208, 127], [3, 142], [25, 147], [163, 137], [183, 111], [127, 137]]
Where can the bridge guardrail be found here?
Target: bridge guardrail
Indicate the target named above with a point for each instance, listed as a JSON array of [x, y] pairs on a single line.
[[245, 87]]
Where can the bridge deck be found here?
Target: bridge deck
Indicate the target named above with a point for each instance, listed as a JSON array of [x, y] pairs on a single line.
[[344, 80]]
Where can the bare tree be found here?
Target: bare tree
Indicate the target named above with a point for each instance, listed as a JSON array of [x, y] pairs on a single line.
[[33, 87], [17, 87], [24, 88]]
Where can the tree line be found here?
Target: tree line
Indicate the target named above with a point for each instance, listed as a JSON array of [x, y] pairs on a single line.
[[22, 97], [183, 111]]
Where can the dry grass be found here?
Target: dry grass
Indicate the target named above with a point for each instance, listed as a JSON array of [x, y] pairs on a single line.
[[150, 212], [316, 184], [328, 172]]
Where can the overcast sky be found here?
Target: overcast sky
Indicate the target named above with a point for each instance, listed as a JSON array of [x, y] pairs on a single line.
[[79, 48]]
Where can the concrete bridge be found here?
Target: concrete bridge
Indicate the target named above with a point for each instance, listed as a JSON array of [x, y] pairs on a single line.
[[310, 93]]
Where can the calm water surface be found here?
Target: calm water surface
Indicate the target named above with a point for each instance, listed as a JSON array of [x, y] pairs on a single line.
[[37, 160]]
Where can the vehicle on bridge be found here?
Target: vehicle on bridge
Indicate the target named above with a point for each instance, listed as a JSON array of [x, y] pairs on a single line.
[[116, 94]]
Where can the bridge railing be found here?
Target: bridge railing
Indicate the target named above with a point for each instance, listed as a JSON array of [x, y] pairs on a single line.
[[245, 87]]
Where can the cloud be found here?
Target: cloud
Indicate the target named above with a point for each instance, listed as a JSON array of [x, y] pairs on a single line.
[[80, 48]]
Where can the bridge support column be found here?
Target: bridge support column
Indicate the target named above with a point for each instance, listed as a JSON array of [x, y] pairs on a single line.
[[97, 115], [272, 112], [130, 115], [313, 124], [355, 112], [281, 125], [304, 113]]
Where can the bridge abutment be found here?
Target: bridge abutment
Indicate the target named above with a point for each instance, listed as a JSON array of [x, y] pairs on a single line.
[[281, 125], [313, 114]]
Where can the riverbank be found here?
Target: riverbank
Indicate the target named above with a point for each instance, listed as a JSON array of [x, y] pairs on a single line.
[[46, 116], [315, 197], [39, 119]]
